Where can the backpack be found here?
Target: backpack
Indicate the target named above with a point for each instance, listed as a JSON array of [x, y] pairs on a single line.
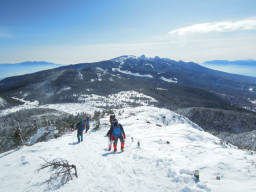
[[80, 126], [117, 131]]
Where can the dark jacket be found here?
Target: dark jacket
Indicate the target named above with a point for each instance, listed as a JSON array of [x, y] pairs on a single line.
[[80, 126]]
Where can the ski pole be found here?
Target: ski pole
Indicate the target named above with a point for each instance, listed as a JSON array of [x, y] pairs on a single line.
[[74, 136]]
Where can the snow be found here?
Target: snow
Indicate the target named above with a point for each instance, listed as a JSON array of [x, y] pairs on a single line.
[[155, 166], [26, 105], [40, 132], [72, 108], [130, 73], [99, 76], [80, 76], [121, 99], [149, 64], [117, 75], [252, 101], [161, 89], [100, 73], [25, 95], [2, 102], [26, 102], [92, 80], [122, 59], [172, 80], [101, 70], [251, 89], [64, 89], [88, 103]]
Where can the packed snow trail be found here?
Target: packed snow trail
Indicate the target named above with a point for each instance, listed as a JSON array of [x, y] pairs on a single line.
[[155, 166]]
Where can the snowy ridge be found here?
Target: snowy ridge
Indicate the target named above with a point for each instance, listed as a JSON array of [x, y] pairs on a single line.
[[122, 59], [155, 166]]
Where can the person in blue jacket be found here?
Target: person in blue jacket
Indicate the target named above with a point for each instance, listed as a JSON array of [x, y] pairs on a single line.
[[118, 133], [80, 126]]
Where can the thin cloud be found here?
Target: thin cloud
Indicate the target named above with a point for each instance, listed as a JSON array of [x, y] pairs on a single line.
[[4, 34], [223, 26]]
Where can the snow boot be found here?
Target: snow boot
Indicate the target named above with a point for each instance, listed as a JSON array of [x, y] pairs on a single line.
[[115, 148], [122, 146]]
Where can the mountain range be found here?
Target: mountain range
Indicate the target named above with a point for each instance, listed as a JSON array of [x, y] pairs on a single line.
[[235, 62], [7, 70], [153, 72], [221, 103]]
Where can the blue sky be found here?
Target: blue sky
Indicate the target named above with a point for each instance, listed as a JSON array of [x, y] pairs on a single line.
[[74, 31]]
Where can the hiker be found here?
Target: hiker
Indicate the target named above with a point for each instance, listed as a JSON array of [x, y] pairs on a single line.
[[109, 133], [118, 133], [80, 126], [87, 125], [17, 137]]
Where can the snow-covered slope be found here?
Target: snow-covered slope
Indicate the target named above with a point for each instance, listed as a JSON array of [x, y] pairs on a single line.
[[155, 166]]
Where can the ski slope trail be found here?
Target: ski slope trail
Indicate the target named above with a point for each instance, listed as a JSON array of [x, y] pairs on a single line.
[[171, 148]]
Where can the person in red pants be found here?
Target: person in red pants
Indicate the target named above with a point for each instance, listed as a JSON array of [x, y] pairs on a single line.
[[118, 133]]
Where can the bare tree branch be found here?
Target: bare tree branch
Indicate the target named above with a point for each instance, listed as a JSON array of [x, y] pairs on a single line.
[[61, 171]]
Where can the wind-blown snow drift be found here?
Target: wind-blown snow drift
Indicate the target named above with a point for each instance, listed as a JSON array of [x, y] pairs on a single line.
[[155, 166]]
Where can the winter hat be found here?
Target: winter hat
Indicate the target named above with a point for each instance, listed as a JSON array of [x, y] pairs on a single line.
[[112, 117]]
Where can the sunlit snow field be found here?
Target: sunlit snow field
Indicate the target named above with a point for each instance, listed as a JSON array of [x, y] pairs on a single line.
[[154, 166]]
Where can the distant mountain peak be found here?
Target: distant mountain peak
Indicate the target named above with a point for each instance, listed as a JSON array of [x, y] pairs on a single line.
[[142, 57], [124, 57], [7, 70], [36, 63]]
